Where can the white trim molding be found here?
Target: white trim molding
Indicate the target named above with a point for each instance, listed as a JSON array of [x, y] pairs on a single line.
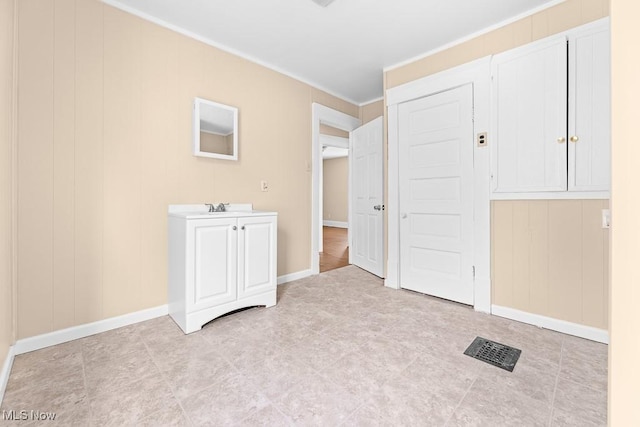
[[553, 195], [478, 73], [6, 370], [178, 29], [286, 278], [337, 224], [38, 342], [334, 141], [472, 36], [576, 329]]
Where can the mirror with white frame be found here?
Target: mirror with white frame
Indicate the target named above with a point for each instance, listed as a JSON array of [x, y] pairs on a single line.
[[215, 130]]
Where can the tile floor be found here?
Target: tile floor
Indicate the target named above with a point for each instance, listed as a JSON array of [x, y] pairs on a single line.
[[338, 349]]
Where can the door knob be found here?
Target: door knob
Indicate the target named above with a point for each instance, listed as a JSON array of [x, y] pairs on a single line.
[[379, 207], [404, 215], [235, 228], [561, 140], [574, 138]]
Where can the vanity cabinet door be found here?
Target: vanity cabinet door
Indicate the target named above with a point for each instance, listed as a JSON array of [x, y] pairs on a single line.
[[213, 269], [257, 242]]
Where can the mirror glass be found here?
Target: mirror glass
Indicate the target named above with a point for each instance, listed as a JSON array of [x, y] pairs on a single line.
[[215, 130]]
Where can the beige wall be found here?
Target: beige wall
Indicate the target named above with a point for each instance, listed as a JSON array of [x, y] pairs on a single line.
[[335, 189], [213, 143], [371, 111], [624, 351], [104, 126], [564, 16], [6, 176], [551, 257], [330, 130]]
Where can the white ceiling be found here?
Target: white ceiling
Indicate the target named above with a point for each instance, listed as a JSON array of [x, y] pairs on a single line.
[[341, 48]]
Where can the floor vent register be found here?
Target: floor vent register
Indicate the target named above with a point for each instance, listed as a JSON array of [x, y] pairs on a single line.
[[494, 353]]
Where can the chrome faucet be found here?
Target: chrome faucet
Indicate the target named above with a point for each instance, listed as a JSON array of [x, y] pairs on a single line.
[[221, 207]]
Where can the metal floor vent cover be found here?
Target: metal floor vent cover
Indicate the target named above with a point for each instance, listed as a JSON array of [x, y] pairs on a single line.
[[494, 353]]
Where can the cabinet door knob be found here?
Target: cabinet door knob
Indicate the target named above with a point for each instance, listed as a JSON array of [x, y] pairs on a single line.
[[235, 228], [561, 140], [574, 138], [242, 228]]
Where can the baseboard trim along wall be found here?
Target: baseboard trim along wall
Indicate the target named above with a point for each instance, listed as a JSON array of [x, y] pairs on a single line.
[[6, 370], [338, 224], [576, 329], [26, 345], [38, 342], [286, 278]]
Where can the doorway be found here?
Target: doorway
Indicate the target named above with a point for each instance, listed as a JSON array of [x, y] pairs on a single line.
[[334, 190], [322, 116], [478, 75]]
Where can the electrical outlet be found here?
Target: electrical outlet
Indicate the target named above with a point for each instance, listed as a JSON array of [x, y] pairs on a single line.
[[482, 139], [264, 186]]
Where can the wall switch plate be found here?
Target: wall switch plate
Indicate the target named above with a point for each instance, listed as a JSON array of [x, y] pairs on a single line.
[[606, 218], [481, 139], [264, 186]]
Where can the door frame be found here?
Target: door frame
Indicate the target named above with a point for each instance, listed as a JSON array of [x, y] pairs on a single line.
[[321, 114], [478, 73]]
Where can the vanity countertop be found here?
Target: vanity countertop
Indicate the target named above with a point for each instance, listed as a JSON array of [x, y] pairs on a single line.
[[201, 211]]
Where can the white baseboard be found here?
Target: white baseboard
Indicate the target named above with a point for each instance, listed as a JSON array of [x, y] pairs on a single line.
[[582, 331], [338, 224], [286, 278], [6, 370], [64, 335]]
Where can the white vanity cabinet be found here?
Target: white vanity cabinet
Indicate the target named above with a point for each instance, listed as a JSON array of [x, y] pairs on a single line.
[[220, 262]]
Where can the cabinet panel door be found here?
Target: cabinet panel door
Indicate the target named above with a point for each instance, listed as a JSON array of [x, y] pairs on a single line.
[[213, 243], [529, 109], [589, 111], [257, 245]]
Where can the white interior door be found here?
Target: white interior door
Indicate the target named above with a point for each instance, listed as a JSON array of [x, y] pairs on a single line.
[[367, 207], [436, 194]]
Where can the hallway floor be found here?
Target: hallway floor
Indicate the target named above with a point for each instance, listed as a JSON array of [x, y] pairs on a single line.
[[336, 248], [337, 349]]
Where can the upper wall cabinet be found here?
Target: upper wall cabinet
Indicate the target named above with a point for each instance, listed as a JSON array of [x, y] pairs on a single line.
[[551, 117]]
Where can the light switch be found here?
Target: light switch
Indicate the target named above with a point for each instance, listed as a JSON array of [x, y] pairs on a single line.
[[606, 218]]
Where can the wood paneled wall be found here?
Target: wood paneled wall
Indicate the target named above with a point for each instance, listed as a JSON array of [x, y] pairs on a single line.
[[7, 149], [104, 126], [551, 257]]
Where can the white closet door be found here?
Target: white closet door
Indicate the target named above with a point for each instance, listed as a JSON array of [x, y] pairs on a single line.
[[529, 110], [590, 111], [436, 194]]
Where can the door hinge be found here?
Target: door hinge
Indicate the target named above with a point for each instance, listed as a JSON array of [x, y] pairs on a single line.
[[473, 270]]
